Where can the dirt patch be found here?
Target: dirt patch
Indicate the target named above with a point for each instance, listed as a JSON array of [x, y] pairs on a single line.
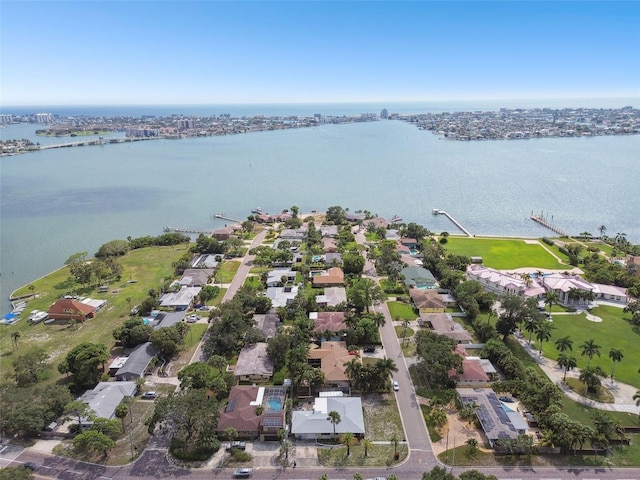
[[456, 432]]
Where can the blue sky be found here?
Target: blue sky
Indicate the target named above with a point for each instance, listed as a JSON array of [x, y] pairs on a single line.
[[163, 52]]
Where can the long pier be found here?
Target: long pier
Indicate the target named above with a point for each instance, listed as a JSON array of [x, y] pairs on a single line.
[[437, 211], [99, 141], [224, 217], [186, 230], [548, 225]]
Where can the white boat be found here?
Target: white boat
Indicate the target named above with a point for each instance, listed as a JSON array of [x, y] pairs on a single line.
[[37, 316]]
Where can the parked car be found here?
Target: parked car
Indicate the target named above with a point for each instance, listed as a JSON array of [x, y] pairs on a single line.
[[30, 465], [242, 473], [236, 444], [149, 395], [369, 349], [396, 386]]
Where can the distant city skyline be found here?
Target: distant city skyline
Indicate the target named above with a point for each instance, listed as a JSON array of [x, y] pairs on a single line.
[[217, 52]]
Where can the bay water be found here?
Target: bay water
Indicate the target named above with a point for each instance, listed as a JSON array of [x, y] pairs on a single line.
[[61, 201]]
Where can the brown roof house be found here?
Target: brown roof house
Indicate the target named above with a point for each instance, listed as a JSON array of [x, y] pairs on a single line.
[[473, 373], [71, 308], [334, 277], [427, 301], [331, 321], [254, 364], [443, 324], [330, 357], [241, 412]]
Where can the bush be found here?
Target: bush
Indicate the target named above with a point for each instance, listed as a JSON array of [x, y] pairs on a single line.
[[198, 454], [238, 455], [548, 241]]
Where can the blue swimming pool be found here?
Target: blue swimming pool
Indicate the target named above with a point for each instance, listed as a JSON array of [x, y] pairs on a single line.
[[274, 404]]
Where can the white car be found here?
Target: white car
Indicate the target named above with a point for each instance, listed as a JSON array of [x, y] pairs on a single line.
[[396, 387]]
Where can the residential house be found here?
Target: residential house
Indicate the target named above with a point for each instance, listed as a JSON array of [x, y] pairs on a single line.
[[498, 421], [267, 324], [611, 293], [333, 259], [329, 244], [409, 242], [418, 277], [241, 412], [377, 222], [443, 324], [427, 301], [67, 308], [328, 321], [571, 289], [332, 297], [195, 277], [473, 371], [328, 230], [206, 261], [181, 300], [334, 277], [254, 364], [503, 283], [275, 276], [137, 363], [106, 396], [314, 424], [293, 234], [330, 357], [224, 233], [282, 296]]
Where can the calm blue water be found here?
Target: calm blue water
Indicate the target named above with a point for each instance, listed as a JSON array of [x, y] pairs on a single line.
[[58, 202]]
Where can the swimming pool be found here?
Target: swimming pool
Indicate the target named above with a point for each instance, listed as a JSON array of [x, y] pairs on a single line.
[[274, 404]]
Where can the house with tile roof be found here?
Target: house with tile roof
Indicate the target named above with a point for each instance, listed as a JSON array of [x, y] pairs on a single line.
[[418, 277], [332, 296], [330, 357], [68, 308], [333, 277], [443, 324], [473, 371], [427, 301], [241, 412], [328, 321]]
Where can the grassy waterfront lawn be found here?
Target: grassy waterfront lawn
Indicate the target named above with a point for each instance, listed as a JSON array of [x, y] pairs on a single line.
[[148, 266], [614, 331], [504, 254]]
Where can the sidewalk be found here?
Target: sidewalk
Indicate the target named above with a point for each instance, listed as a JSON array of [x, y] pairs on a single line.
[[622, 392]]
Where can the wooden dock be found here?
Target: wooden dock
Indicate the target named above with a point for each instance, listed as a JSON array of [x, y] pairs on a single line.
[[437, 211], [187, 230], [224, 217], [548, 225]]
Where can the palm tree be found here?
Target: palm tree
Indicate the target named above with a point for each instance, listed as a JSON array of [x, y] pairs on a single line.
[[590, 348], [32, 289], [358, 475], [636, 397], [531, 325], [378, 319], [334, 418], [394, 439], [551, 298], [121, 412], [472, 447], [366, 443], [543, 333], [348, 439], [568, 363], [590, 376], [15, 336], [615, 355], [231, 433], [564, 343], [602, 230]]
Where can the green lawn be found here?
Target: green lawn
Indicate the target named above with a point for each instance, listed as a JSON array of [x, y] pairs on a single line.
[[377, 456], [614, 331], [504, 254], [402, 333], [227, 271], [401, 311], [148, 266]]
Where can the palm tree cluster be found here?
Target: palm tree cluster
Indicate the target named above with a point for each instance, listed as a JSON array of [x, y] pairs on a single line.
[[370, 378]]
